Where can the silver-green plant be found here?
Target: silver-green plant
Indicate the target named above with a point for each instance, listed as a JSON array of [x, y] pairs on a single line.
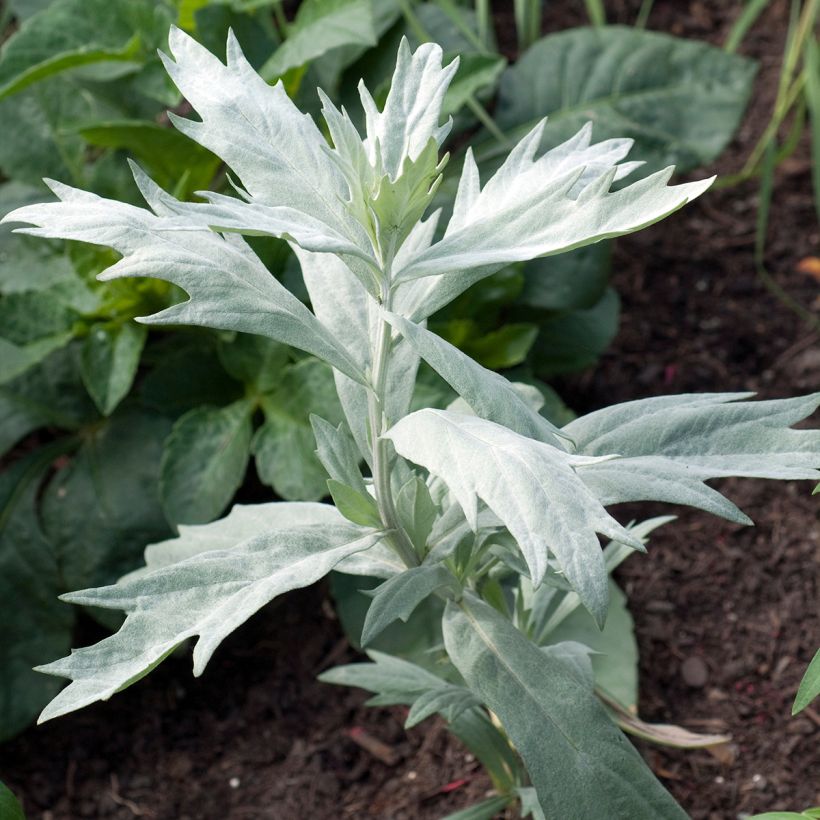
[[449, 497]]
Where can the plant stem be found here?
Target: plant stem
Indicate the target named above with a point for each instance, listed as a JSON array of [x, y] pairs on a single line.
[[397, 537]]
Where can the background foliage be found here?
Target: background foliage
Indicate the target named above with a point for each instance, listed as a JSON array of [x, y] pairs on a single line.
[[112, 435]]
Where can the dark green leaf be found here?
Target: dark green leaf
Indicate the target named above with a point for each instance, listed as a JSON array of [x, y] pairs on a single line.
[[173, 161], [256, 361], [73, 33], [36, 626], [284, 447], [476, 72], [10, 808], [809, 687], [629, 83], [319, 27], [204, 462], [574, 340], [101, 510], [110, 358], [188, 373], [570, 281]]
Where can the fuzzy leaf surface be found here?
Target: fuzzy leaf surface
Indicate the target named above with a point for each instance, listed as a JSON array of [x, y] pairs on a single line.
[[535, 207], [531, 486], [208, 595], [577, 759], [669, 445], [489, 394], [229, 287]]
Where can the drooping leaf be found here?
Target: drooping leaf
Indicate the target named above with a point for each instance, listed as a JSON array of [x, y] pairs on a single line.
[[204, 462], [228, 285], [208, 595], [577, 759], [489, 394], [321, 26], [663, 734], [669, 445], [110, 357], [449, 700], [520, 480], [809, 687], [397, 597], [629, 83]]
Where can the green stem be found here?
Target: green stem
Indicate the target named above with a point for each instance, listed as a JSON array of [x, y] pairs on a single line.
[[377, 419]]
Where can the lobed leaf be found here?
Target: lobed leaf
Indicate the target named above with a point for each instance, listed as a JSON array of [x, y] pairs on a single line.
[[228, 285], [537, 207], [208, 595], [532, 487], [669, 445]]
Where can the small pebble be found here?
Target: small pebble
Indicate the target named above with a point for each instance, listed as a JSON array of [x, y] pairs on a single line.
[[694, 671], [234, 782]]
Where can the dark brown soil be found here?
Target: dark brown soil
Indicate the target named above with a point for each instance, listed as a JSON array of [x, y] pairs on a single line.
[[257, 737]]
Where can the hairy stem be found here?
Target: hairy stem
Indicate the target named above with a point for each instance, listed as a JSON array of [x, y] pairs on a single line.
[[377, 420]]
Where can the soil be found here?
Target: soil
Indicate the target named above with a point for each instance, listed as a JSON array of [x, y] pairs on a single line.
[[727, 617]]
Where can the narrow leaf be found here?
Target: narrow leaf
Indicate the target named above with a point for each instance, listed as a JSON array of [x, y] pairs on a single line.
[[489, 394], [669, 445], [809, 687], [577, 759]]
